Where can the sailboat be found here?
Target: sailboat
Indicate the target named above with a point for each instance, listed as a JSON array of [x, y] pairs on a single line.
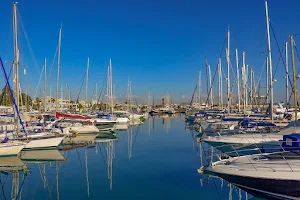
[[29, 141], [107, 123]]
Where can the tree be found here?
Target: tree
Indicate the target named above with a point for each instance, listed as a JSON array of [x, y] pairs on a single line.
[[80, 106], [5, 98]]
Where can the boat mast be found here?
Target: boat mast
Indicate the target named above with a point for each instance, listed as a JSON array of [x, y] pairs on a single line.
[[267, 79], [220, 84], [251, 87], [238, 79], [111, 88], [246, 85], [58, 68], [210, 86], [244, 81], [16, 64], [287, 74], [228, 71], [86, 83], [270, 61], [199, 89], [294, 77], [45, 84]]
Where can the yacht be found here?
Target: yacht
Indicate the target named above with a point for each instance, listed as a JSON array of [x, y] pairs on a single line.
[[249, 143], [269, 176]]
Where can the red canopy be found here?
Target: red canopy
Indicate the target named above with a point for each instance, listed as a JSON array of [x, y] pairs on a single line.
[[70, 116]]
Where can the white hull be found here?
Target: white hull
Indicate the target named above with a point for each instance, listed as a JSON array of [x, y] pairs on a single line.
[[10, 149], [83, 129], [122, 120], [46, 143]]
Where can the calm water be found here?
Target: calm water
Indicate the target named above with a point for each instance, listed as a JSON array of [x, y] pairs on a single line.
[[156, 160]]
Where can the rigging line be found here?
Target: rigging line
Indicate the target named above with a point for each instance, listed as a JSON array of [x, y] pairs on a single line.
[[280, 53], [37, 88], [221, 53], [105, 80], [28, 43], [261, 73], [83, 80], [210, 89], [52, 66], [193, 95], [134, 97]]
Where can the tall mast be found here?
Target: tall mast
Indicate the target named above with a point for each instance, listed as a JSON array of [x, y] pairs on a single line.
[[111, 88], [219, 82], [294, 77], [267, 79], [58, 68], [199, 88], [251, 87], [246, 85], [45, 83], [244, 81], [228, 71], [86, 82], [16, 62], [238, 79], [286, 74], [207, 80], [270, 61], [210, 86]]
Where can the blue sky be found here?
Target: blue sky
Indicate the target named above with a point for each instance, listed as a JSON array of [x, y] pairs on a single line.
[[160, 45]]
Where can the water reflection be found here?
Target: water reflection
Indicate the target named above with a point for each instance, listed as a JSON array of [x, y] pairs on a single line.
[[142, 162]]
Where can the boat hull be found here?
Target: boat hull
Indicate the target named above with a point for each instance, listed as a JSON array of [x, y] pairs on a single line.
[[104, 126], [83, 129], [46, 143], [7, 150], [264, 188]]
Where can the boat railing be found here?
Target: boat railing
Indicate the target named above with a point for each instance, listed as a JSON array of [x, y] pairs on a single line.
[[219, 154]]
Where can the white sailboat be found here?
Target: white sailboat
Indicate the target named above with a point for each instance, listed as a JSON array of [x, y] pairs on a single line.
[[32, 141]]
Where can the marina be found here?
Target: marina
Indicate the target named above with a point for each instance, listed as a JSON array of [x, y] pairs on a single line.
[[110, 128]]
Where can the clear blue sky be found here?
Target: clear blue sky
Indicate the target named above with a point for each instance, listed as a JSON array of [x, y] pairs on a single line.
[[160, 45]]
